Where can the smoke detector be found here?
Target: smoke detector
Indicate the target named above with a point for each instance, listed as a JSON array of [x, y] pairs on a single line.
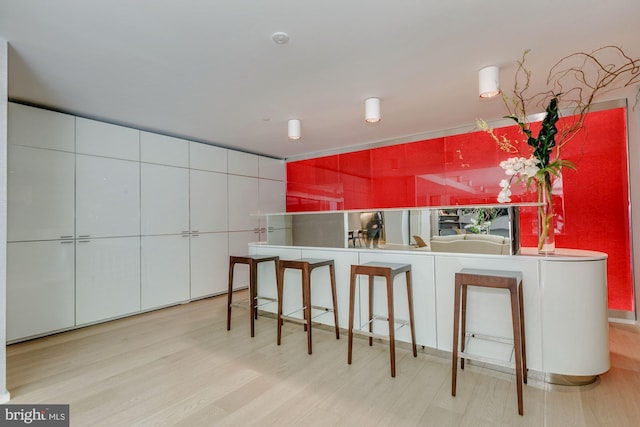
[[280, 37]]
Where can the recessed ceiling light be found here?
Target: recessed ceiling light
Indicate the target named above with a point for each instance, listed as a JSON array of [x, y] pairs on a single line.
[[280, 37]]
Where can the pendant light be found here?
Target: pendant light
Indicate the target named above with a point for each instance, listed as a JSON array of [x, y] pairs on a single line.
[[372, 110], [294, 129], [489, 81]]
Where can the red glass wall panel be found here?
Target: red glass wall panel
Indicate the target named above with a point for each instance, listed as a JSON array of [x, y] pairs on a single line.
[[591, 202]]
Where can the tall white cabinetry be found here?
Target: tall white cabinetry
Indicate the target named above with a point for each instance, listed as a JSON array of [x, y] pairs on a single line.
[[40, 211], [107, 221], [208, 220], [164, 200]]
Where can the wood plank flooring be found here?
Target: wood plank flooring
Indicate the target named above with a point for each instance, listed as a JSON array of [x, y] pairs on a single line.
[[180, 366]]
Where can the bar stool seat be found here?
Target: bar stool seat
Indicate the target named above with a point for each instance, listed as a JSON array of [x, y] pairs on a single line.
[[389, 271], [511, 281], [253, 301], [306, 267]]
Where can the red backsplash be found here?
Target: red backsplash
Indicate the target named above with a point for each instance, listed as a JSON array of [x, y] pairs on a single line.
[[592, 202]]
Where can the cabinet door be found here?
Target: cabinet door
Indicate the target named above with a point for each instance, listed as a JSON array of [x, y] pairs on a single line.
[[208, 200], [243, 201], [207, 157], [107, 197], [40, 194], [164, 199], [272, 169], [209, 264], [104, 139], [243, 163], [272, 196], [107, 278], [35, 127], [164, 150], [40, 288], [165, 270]]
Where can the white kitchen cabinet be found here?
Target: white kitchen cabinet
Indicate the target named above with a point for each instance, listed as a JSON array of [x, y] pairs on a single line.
[[240, 163], [107, 197], [164, 150], [40, 194], [272, 196], [165, 270], [209, 264], [272, 168], [35, 127], [164, 199], [207, 157], [208, 201], [244, 200], [40, 288], [107, 278], [108, 140]]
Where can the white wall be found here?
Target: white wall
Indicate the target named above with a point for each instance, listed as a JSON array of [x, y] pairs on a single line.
[[4, 53]]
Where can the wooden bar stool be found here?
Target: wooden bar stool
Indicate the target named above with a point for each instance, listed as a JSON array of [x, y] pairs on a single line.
[[252, 261], [389, 271], [306, 266], [511, 281]]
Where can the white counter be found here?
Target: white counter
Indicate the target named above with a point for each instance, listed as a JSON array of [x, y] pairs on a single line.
[[565, 301]]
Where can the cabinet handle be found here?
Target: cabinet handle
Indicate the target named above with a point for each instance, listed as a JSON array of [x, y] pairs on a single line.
[[67, 241], [195, 231], [185, 231], [67, 237], [194, 235], [84, 235], [84, 241]]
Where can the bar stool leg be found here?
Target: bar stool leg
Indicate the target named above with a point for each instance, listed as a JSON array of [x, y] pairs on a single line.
[[517, 343], [229, 294], [332, 274], [411, 322], [392, 327], [280, 282], [352, 292], [371, 279], [524, 349], [306, 300], [463, 326], [253, 311], [456, 330]]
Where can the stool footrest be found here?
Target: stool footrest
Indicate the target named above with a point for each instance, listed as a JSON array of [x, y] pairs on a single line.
[[369, 334], [484, 359], [294, 319], [268, 300], [386, 319], [489, 338]]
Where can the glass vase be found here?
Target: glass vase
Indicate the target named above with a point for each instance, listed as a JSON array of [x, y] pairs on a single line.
[[546, 234]]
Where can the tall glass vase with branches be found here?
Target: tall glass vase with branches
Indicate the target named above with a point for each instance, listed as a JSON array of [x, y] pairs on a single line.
[[574, 82]]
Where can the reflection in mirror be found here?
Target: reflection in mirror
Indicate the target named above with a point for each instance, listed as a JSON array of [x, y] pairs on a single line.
[[465, 230]]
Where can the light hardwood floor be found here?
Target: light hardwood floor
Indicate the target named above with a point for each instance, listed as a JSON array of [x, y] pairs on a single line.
[[179, 366]]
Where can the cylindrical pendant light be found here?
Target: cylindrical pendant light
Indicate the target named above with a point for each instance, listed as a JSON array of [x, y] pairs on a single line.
[[489, 81], [294, 129], [372, 110]]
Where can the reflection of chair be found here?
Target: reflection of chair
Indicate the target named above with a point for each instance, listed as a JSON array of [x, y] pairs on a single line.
[[421, 243], [356, 236]]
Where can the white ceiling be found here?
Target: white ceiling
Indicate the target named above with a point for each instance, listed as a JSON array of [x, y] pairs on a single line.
[[207, 70]]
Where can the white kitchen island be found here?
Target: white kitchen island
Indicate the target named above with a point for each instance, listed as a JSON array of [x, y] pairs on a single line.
[[565, 302]]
